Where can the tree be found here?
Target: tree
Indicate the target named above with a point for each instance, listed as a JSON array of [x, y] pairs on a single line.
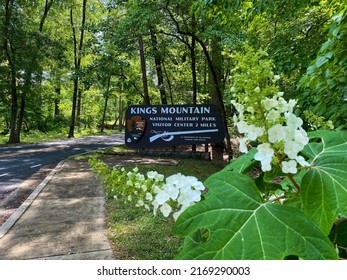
[[78, 46], [325, 82]]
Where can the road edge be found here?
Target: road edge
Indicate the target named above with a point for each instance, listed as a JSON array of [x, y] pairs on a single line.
[[25, 205]]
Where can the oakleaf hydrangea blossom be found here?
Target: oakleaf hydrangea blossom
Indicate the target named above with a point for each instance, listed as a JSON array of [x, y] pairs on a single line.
[[273, 123], [289, 166], [264, 155], [178, 189], [153, 192]]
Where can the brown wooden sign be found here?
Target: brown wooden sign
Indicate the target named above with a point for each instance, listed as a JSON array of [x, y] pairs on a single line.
[[172, 125]]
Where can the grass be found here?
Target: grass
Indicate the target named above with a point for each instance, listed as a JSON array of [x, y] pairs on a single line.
[[134, 232]]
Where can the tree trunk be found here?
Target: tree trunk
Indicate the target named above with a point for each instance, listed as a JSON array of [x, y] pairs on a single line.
[[77, 61], [193, 68], [73, 109], [144, 72], [57, 101], [14, 137], [194, 76], [22, 105], [215, 82], [79, 106], [158, 67], [105, 104], [48, 6], [10, 56], [120, 115]]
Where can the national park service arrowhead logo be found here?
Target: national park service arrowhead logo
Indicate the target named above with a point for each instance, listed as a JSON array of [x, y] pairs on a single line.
[[136, 127]]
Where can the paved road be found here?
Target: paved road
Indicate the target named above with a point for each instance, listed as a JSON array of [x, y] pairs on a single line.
[[17, 163]]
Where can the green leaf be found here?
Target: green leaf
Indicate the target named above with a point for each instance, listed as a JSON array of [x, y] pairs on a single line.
[[242, 226], [311, 69], [243, 163], [324, 186], [326, 45], [321, 60]]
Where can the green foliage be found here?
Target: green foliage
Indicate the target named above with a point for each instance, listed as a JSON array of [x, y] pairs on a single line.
[[242, 226], [315, 122], [325, 82], [290, 32], [239, 221], [114, 180], [324, 186]]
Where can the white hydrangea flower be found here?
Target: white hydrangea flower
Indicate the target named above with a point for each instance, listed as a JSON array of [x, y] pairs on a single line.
[[194, 182], [165, 209], [292, 148], [243, 145], [250, 109], [289, 166], [242, 126], [162, 197], [175, 179], [302, 161], [172, 192], [140, 203], [159, 178], [156, 189], [293, 121], [265, 166], [264, 155], [195, 195], [184, 198], [277, 77], [155, 205], [149, 196], [239, 107], [269, 103], [273, 115], [254, 132], [301, 137], [291, 105], [140, 177], [152, 174], [277, 133]]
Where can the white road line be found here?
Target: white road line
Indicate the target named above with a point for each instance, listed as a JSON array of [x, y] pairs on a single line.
[[36, 165]]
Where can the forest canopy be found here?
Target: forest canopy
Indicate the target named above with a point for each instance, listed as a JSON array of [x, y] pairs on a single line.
[[80, 63]]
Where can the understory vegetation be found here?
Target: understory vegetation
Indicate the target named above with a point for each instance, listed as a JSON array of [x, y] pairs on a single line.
[[134, 232]]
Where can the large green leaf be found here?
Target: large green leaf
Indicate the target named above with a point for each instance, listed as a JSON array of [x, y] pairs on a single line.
[[233, 222], [324, 187], [243, 163]]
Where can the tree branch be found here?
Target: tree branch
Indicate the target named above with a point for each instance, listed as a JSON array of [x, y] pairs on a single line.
[[290, 177]]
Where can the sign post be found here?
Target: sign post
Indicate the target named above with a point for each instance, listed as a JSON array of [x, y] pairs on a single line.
[[172, 125]]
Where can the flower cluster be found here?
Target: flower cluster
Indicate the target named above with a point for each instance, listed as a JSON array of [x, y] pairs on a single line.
[[273, 123], [179, 190], [173, 194]]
